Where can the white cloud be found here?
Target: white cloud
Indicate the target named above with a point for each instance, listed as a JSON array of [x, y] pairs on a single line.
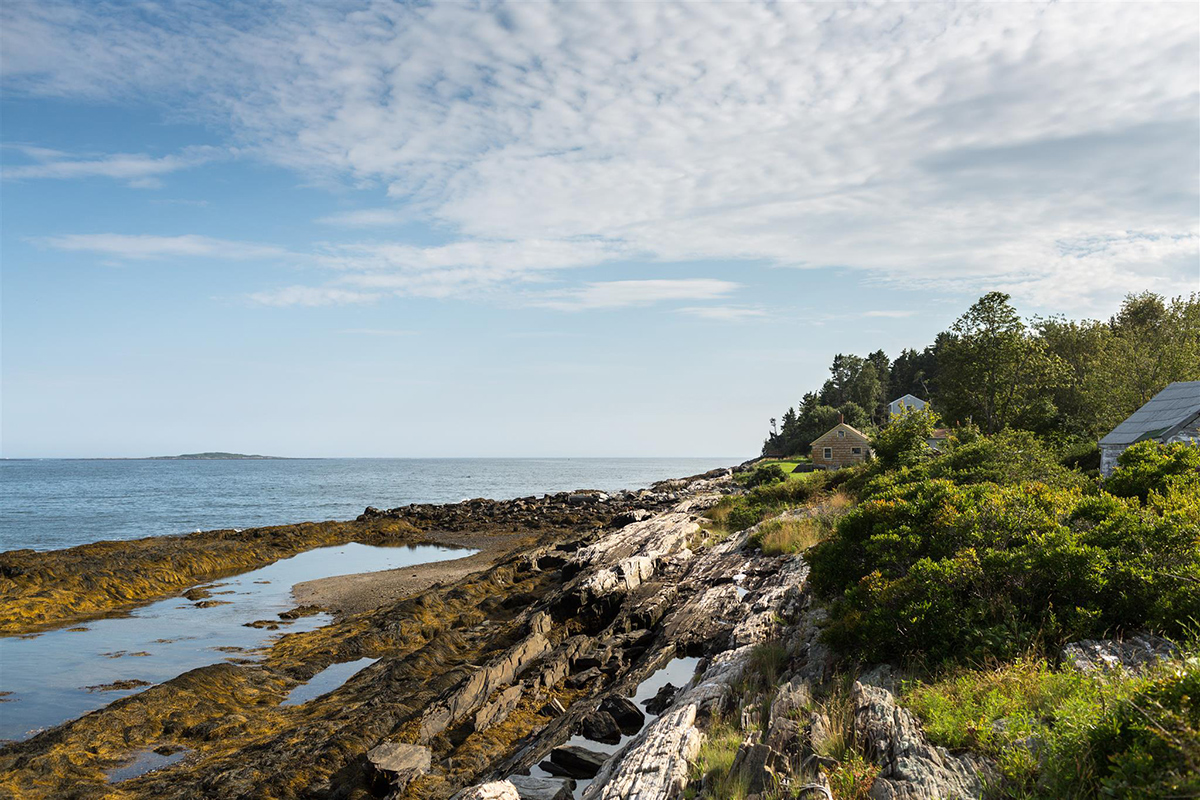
[[311, 296], [145, 247], [889, 314], [138, 170], [622, 294], [370, 218], [926, 145], [723, 313]]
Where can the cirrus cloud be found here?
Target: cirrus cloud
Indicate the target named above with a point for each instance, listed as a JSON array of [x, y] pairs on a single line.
[[922, 145]]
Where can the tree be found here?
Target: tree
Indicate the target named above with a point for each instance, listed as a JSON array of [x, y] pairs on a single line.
[[993, 371]]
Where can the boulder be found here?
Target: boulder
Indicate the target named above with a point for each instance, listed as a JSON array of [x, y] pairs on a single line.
[[659, 703], [599, 726], [532, 787], [396, 764], [1131, 655], [577, 762], [625, 713], [910, 767], [655, 765], [496, 790]]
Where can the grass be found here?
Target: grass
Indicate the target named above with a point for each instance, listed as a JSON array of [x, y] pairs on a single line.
[[714, 763], [1059, 733], [793, 535]]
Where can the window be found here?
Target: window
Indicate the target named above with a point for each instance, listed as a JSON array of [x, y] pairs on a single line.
[[856, 451], [841, 434], [828, 453]]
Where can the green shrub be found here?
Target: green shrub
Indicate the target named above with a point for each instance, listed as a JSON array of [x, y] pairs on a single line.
[[1066, 734], [939, 571], [771, 473], [770, 499], [905, 441], [1150, 467]]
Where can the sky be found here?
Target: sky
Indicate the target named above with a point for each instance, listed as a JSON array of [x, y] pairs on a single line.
[[572, 229]]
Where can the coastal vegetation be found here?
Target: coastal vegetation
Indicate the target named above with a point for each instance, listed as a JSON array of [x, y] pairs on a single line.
[[1068, 381]]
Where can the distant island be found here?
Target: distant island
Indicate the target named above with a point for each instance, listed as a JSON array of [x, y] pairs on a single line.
[[215, 457]]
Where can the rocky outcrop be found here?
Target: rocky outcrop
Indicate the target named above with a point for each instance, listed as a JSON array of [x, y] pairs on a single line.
[[535, 788], [396, 765], [910, 767], [1134, 654], [494, 790]]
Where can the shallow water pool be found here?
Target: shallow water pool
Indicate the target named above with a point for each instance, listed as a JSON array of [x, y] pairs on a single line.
[[60, 674]]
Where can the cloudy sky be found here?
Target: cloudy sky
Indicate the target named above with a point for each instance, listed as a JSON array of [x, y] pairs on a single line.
[[384, 229]]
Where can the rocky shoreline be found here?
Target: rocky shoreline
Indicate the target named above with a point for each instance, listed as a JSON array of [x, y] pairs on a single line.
[[511, 676]]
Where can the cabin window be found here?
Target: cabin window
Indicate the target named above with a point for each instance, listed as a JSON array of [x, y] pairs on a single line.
[[828, 453], [856, 451], [841, 434]]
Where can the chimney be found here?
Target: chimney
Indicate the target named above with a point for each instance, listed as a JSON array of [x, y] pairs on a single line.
[[841, 419]]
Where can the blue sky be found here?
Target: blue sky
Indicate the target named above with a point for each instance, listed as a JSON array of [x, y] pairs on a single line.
[[379, 229]]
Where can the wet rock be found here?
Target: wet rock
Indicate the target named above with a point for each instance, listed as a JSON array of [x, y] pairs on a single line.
[[630, 517], [496, 790], [396, 765], [498, 710], [117, 686], [211, 603], [531, 787], [301, 611], [655, 765], [582, 679], [553, 709], [197, 594], [625, 713], [910, 767], [1131, 655], [577, 762], [599, 726], [657, 704]]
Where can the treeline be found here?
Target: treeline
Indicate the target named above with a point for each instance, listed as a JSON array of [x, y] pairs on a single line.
[[1063, 379]]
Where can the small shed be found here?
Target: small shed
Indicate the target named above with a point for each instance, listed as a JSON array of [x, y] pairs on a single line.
[[908, 402], [839, 447], [1172, 415]]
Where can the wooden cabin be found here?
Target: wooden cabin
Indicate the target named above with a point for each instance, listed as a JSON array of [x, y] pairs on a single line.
[[840, 447]]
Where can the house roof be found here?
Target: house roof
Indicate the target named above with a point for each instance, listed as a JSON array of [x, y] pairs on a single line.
[[844, 427], [1164, 414], [907, 400]]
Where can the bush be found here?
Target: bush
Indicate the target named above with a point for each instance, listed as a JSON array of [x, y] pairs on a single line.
[[1115, 735], [771, 473], [938, 571], [771, 499], [905, 442], [1150, 467]]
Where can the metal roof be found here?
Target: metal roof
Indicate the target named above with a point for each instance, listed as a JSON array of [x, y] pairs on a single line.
[[1166, 412]]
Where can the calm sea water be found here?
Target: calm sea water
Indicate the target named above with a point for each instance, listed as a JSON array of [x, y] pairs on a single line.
[[45, 505]]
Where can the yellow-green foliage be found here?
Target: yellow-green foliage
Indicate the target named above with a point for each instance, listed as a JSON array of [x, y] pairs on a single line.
[[715, 760], [937, 570], [853, 778], [786, 536], [1065, 734], [49, 588]]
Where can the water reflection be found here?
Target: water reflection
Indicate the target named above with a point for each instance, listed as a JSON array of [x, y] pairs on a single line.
[[59, 675]]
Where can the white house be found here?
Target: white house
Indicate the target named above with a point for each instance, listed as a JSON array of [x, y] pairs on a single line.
[[1172, 415], [906, 403]]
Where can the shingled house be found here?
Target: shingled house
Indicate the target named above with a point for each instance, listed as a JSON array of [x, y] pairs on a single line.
[[841, 446], [909, 402], [1172, 415]]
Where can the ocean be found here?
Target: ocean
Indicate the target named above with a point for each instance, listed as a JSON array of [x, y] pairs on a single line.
[[51, 504]]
